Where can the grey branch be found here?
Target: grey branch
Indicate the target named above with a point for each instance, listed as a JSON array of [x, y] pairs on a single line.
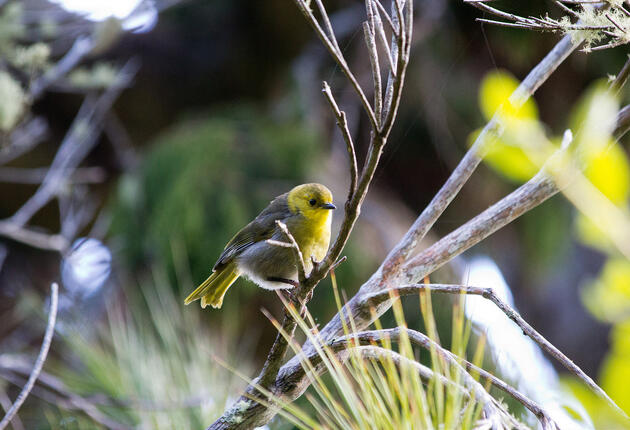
[[41, 358], [536, 77], [36, 239], [23, 175], [81, 47], [76, 145]]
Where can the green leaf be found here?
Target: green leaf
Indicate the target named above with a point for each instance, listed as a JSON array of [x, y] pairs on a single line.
[[496, 89], [608, 296]]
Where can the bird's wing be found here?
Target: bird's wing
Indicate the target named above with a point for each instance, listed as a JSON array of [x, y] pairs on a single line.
[[261, 228]]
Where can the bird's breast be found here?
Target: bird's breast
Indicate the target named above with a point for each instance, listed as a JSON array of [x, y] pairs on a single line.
[[312, 236]]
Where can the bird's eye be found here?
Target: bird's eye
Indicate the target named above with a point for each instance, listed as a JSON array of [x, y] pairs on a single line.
[[312, 202]]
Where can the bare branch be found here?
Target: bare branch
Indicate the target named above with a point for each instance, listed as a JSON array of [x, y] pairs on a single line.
[[41, 358], [51, 242], [471, 160], [342, 123], [81, 47], [24, 138], [622, 77], [590, 16], [23, 175], [338, 56], [76, 145]]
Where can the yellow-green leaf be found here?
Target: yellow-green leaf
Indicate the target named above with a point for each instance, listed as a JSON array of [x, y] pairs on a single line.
[[608, 169], [496, 89], [608, 297]]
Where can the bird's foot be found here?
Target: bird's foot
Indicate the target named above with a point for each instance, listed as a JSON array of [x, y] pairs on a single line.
[[289, 294]]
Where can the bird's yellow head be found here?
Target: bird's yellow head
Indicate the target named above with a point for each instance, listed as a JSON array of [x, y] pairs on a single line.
[[314, 201]]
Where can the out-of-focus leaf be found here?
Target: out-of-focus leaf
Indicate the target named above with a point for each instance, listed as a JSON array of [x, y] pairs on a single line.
[[608, 297], [604, 161], [608, 169], [522, 147], [13, 101], [101, 75], [591, 235], [615, 372], [598, 409], [507, 159], [496, 89], [11, 25], [593, 120], [33, 57]]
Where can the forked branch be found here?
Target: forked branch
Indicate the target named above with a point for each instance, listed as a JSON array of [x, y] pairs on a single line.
[[387, 108]]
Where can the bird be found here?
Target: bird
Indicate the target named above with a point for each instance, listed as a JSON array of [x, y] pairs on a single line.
[[306, 211]]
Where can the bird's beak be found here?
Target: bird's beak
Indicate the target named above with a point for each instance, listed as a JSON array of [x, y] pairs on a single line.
[[328, 206]]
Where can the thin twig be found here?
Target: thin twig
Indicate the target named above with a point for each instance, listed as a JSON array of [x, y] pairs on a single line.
[[299, 258], [36, 239], [78, 141], [81, 47], [5, 402], [621, 78], [338, 56], [369, 33], [280, 345], [342, 123], [41, 358]]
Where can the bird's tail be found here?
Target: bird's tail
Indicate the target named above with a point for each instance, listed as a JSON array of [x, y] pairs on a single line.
[[212, 290]]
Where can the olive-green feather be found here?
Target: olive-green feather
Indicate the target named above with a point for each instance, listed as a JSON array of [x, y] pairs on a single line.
[[261, 228], [212, 290]]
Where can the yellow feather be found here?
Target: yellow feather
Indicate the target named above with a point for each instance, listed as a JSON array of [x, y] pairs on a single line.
[[212, 290]]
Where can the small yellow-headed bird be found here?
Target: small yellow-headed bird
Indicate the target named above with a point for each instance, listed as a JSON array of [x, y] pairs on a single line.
[[306, 211]]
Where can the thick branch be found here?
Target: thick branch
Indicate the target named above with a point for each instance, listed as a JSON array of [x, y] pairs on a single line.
[[471, 160]]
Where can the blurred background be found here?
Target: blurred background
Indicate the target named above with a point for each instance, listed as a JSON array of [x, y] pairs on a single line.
[[169, 125]]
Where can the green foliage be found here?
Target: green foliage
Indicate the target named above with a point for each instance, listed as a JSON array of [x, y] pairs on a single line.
[[380, 386], [154, 369], [14, 101], [11, 27]]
